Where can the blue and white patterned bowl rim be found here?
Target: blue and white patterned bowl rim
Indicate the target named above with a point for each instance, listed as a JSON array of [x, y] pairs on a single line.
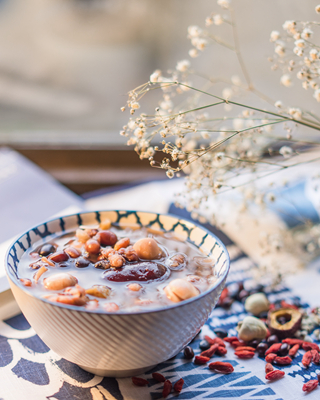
[[12, 270]]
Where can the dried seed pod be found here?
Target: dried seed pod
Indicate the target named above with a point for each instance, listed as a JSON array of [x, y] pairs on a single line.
[[251, 328], [101, 291], [293, 318], [179, 290], [256, 304], [59, 281]]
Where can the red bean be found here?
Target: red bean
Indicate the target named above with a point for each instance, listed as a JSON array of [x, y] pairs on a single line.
[[107, 238], [58, 256]]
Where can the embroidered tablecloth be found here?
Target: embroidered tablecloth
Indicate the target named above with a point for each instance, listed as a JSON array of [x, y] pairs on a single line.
[[29, 370]]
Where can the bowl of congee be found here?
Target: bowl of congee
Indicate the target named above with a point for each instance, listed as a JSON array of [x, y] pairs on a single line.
[[117, 292]]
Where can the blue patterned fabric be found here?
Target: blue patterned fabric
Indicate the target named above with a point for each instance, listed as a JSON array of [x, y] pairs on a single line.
[[30, 370]]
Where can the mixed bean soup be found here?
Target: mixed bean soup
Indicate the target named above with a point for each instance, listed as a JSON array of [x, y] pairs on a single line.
[[114, 268]]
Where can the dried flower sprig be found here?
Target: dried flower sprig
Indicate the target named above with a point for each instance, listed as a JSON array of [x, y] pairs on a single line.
[[187, 134]]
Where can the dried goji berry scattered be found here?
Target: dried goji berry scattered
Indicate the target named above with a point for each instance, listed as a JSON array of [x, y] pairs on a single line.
[[310, 346], [177, 387], [236, 343], [221, 351], [215, 340], [275, 374], [167, 387], [139, 381], [248, 348], [268, 368], [271, 357], [244, 354], [307, 358], [310, 385], [201, 360], [274, 348], [283, 360], [158, 377], [315, 356], [210, 352], [292, 342], [293, 351], [224, 294], [230, 339], [222, 367]]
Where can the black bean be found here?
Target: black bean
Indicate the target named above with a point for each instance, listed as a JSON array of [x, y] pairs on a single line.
[[63, 265], [47, 249], [226, 302], [221, 333], [243, 295], [188, 353], [284, 349], [262, 348], [204, 345], [254, 343], [82, 262], [272, 340]]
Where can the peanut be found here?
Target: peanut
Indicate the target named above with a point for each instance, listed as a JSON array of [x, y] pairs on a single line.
[[60, 281]]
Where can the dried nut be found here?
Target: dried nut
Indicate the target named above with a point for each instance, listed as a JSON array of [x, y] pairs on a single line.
[[107, 238], [134, 287], [179, 290], [122, 243], [72, 252], [251, 328], [177, 262], [59, 281], [256, 303], [116, 260], [147, 249], [82, 235], [99, 291], [92, 246], [288, 329]]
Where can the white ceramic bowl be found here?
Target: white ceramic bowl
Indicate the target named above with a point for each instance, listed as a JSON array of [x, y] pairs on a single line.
[[118, 344]]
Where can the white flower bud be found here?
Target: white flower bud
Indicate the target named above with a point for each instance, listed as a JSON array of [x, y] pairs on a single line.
[[183, 65], [286, 80], [275, 35]]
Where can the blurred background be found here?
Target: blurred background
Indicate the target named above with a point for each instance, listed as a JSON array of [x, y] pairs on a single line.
[[67, 65]]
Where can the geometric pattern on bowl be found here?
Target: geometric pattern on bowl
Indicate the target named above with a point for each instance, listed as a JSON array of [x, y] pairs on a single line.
[[122, 343]]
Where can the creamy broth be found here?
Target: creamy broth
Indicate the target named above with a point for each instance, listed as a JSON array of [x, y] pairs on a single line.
[[116, 269]]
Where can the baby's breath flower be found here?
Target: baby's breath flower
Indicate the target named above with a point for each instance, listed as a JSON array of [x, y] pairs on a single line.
[[135, 105], [300, 43], [316, 94], [279, 50], [289, 26], [155, 76], [217, 19], [306, 33], [286, 151], [170, 173], [199, 43], [183, 65], [209, 21], [286, 80], [274, 36], [236, 80], [317, 8], [227, 93], [313, 54], [238, 124], [193, 53], [298, 51], [278, 104], [224, 3], [194, 31], [295, 112]]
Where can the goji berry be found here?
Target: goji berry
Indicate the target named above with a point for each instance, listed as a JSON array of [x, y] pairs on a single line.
[[230, 339], [275, 374], [248, 348], [271, 357], [178, 385], [315, 356], [307, 358], [293, 350], [214, 341], [201, 360], [310, 346], [224, 294], [268, 368], [236, 343], [222, 367], [283, 360], [139, 381], [292, 342], [243, 354], [310, 385], [210, 352], [167, 387], [221, 351], [274, 348], [158, 377]]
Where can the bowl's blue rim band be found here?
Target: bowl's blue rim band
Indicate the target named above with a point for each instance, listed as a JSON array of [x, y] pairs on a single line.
[[75, 308]]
